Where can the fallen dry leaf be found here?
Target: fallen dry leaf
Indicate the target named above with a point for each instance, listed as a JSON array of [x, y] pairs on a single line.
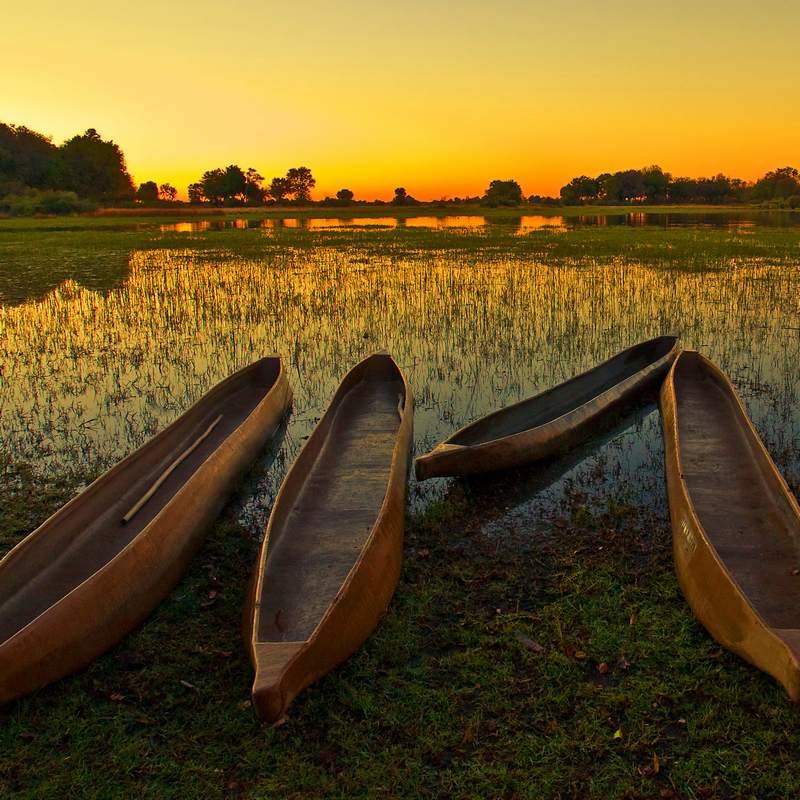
[[602, 668]]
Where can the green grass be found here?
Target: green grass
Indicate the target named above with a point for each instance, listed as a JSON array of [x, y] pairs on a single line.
[[560, 661]]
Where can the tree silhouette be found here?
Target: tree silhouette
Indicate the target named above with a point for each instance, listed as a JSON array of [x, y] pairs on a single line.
[[580, 190], [147, 192], [167, 192], [29, 159], [655, 183], [279, 188], [503, 193], [778, 184], [403, 198], [345, 195], [301, 182], [195, 193], [96, 168], [254, 192]]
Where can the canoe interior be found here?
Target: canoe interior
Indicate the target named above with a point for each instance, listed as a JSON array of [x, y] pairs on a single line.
[[314, 547], [736, 495], [565, 397], [87, 533]]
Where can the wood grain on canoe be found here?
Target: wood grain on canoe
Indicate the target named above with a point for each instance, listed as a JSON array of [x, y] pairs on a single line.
[[83, 579], [735, 524], [552, 422], [333, 546]]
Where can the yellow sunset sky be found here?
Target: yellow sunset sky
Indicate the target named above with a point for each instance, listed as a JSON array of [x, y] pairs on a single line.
[[437, 97]]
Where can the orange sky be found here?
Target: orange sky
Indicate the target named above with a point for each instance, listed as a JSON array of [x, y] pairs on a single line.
[[425, 95]]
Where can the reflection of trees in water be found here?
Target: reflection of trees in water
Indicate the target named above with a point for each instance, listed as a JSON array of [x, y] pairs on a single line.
[[89, 376], [33, 271]]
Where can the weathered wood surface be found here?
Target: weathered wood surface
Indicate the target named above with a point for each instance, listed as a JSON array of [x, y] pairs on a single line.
[[331, 555], [735, 523], [83, 579]]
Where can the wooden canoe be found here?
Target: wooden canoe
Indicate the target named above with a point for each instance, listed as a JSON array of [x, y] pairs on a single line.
[[735, 524], [83, 579], [552, 422], [331, 555]]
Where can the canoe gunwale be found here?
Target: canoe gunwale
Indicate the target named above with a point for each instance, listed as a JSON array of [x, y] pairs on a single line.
[[540, 435], [670, 423], [280, 695], [279, 385]]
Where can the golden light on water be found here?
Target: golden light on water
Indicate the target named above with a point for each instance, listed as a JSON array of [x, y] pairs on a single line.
[[90, 375]]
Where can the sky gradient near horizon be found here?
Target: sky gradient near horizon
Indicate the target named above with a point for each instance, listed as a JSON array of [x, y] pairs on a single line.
[[437, 98]]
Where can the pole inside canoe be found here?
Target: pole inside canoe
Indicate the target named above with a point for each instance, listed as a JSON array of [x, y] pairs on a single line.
[[168, 471]]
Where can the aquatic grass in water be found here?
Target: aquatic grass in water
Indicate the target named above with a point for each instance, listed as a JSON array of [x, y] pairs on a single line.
[[89, 376]]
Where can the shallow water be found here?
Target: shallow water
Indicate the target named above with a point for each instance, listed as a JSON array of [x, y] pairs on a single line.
[[523, 224], [88, 375]]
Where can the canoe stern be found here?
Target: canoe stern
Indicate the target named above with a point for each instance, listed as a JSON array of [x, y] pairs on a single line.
[[439, 462], [271, 691]]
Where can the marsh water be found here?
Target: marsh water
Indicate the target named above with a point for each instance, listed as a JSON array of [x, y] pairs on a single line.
[[107, 335]]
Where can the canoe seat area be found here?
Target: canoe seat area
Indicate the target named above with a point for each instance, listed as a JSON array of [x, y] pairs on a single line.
[[91, 533], [752, 531], [565, 397], [311, 554]]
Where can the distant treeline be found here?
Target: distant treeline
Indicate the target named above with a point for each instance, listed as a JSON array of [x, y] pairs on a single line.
[[653, 185], [233, 186], [37, 176]]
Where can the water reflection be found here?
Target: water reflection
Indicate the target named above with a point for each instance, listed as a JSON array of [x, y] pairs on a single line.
[[538, 223], [87, 376], [741, 221], [628, 444], [372, 222], [320, 223], [729, 220], [187, 227]]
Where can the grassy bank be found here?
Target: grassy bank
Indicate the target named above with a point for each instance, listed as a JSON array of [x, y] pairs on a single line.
[[551, 661]]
